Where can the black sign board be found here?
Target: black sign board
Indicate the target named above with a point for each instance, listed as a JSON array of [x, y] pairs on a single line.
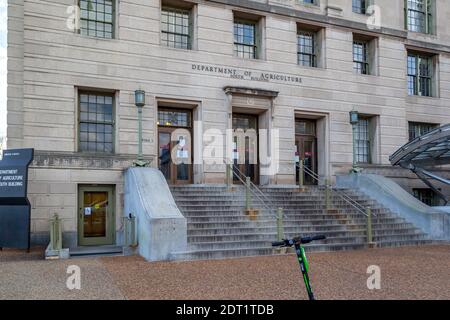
[[14, 205]]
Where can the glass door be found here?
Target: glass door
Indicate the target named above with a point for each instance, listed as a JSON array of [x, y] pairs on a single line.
[[306, 148], [175, 145], [245, 146], [96, 216]]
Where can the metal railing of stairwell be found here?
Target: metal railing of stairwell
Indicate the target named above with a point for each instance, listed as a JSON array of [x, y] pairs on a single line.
[[366, 211], [359, 207], [263, 195], [266, 202]]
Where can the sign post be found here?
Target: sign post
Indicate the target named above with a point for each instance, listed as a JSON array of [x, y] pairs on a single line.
[[15, 209]]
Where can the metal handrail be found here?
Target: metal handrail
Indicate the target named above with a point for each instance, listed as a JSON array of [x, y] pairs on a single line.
[[344, 197], [254, 186], [273, 208], [279, 216]]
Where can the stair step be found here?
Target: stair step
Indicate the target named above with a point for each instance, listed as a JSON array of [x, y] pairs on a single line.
[[95, 251], [356, 235], [218, 227]]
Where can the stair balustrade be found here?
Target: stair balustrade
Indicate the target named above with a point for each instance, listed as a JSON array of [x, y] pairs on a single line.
[[329, 190], [252, 189]]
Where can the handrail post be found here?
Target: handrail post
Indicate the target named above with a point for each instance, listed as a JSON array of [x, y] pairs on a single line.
[[300, 174], [280, 224], [327, 194], [248, 196], [369, 228], [228, 177]]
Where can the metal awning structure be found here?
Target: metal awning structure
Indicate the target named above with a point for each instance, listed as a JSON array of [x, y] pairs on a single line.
[[425, 153]]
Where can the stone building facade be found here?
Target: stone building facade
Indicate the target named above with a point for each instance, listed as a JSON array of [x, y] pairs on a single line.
[[295, 66]]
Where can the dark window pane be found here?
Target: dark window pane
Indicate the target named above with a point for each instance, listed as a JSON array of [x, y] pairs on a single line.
[[175, 28], [96, 17], [360, 57], [427, 196], [306, 49], [245, 39], [359, 6], [419, 15], [96, 122], [420, 75], [176, 118], [362, 141], [417, 129]]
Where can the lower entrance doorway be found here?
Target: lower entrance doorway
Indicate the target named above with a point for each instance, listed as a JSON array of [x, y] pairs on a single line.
[[175, 145], [96, 223], [245, 146], [306, 147]]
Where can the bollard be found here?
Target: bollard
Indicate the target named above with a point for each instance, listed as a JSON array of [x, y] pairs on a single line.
[[126, 237], [133, 242], [300, 174], [280, 232], [130, 231], [369, 226], [327, 194], [55, 233], [248, 196]]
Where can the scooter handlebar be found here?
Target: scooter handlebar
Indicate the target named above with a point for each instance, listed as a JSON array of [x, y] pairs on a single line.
[[278, 243], [289, 243], [311, 239]]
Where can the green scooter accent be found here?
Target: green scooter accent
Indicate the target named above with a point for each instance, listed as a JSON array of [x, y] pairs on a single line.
[[301, 256]]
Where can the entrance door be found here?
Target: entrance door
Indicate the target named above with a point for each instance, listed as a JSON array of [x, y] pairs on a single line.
[[245, 146], [306, 147], [96, 223], [175, 145]]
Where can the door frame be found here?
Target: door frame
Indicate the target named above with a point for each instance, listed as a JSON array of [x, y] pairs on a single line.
[[110, 237], [173, 168], [256, 169], [170, 130], [313, 139]]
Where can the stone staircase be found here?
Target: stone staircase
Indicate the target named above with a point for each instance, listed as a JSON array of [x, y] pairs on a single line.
[[218, 227]]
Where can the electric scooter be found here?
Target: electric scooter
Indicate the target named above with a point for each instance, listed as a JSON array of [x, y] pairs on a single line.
[[301, 256]]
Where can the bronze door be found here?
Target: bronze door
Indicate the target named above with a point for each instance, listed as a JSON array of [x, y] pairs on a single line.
[[245, 146], [306, 148], [175, 146]]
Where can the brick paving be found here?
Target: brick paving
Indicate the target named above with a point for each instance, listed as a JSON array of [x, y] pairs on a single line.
[[406, 273]]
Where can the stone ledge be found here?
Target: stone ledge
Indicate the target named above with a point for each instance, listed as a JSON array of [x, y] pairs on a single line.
[[48, 159], [251, 91]]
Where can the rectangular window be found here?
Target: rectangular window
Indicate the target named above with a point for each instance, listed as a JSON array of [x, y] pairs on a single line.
[[306, 55], [176, 28], [420, 75], [96, 18], [308, 1], [96, 122], [362, 138], [174, 118], [360, 57], [417, 129], [359, 6], [245, 39], [419, 15], [427, 196]]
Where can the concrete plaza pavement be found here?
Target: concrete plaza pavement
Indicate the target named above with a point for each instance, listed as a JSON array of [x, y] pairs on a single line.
[[406, 273]]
